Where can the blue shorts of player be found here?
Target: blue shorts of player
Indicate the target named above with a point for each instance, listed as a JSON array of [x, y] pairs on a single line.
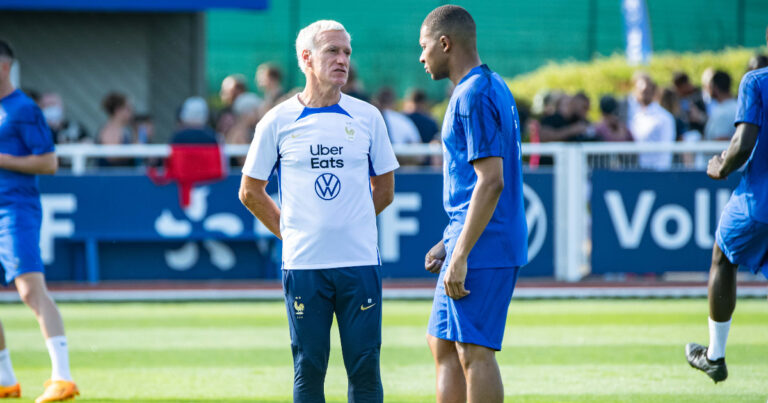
[[480, 317], [19, 242], [741, 238], [354, 295]]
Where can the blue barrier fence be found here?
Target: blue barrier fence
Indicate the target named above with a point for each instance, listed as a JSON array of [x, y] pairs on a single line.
[[124, 227]]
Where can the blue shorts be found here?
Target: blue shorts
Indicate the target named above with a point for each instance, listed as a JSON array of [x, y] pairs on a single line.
[[20, 252], [741, 238], [480, 317]]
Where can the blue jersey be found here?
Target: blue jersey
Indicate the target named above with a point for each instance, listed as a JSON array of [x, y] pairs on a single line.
[[482, 121], [753, 101], [23, 132]]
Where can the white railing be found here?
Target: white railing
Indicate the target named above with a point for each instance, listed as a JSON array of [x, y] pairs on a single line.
[[571, 172]]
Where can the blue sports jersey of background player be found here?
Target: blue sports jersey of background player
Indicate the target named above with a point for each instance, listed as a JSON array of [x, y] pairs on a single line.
[[481, 121], [742, 233], [23, 132]]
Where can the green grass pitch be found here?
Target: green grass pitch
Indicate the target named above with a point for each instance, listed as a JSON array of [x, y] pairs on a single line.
[[554, 351]]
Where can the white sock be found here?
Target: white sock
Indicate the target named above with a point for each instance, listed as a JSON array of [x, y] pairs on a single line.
[[718, 335], [57, 349], [7, 377]]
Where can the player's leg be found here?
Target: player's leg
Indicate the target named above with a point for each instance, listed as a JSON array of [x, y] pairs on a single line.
[[309, 303], [722, 301], [358, 311], [34, 293], [476, 325], [482, 373], [451, 385], [9, 386]]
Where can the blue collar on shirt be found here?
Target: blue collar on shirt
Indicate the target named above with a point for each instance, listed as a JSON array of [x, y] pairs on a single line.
[[335, 108], [483, 68]]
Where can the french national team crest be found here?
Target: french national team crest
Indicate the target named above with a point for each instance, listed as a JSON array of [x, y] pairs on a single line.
[[298, 307], [350, 131]]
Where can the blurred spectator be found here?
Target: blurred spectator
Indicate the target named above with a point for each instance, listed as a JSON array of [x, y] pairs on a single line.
[[720, 123], [706, 79], [246, 111], [119, 111], [611, 127], [401, 129], [193, 122], [417, 108], [354, 87], [231, 88], [668, 100], [568, 123], [269, 79], [64, 131], [650, 123], [144, 126], [117, 130], [757, 61], [693, 109]]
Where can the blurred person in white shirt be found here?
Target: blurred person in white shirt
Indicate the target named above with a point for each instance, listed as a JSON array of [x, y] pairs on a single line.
[[720, 123], [651, 123]]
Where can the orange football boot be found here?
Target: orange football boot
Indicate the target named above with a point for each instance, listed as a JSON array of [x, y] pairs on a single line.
[[10, 391], [56, 391]]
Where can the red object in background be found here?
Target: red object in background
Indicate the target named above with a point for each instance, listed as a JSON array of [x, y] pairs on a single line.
[[189, 165], [533, 128]]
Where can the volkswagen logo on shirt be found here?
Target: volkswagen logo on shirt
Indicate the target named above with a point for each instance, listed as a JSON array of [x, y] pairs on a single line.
[[327, 186]]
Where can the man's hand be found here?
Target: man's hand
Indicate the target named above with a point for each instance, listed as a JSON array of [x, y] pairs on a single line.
[[455, 275], [433, 262], [713, 168]]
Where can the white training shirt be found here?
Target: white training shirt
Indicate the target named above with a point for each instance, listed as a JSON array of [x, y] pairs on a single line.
[[324, 158]]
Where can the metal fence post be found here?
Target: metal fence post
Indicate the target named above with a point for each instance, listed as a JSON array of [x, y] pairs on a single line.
[[570, 212]]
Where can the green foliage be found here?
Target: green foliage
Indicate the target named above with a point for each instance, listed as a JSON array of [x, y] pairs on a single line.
[[612, 75]]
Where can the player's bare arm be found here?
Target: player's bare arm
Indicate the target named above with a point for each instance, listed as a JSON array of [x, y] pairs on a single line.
[[738, 152], [253, 195], [383, 189], [43, 164], [434, 259], [485, 196]]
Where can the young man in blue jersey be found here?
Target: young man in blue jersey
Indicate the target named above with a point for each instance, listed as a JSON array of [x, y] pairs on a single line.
[[742, 234], [26, 150], [334, 166], [485, 242]]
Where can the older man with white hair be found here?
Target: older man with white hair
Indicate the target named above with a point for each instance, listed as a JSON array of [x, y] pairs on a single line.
[[334, 165]]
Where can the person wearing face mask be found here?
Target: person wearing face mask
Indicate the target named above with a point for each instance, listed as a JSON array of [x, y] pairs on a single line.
[[64, 130]]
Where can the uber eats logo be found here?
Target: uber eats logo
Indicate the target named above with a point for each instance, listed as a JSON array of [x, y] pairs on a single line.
[[325, 157]]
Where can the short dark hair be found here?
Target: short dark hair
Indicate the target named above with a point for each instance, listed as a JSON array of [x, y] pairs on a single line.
[[386, 97], [450, 19], [680, 78], [273, 72], [581, 96], [608, 105], [722, 81], [418, 96], [112, 102], [6, 50]]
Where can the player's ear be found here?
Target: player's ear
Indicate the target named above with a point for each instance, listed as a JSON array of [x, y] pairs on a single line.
[[306, 56], [445, 43]]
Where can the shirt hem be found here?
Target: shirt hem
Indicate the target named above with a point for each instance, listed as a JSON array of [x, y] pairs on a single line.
[[336, 265]]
